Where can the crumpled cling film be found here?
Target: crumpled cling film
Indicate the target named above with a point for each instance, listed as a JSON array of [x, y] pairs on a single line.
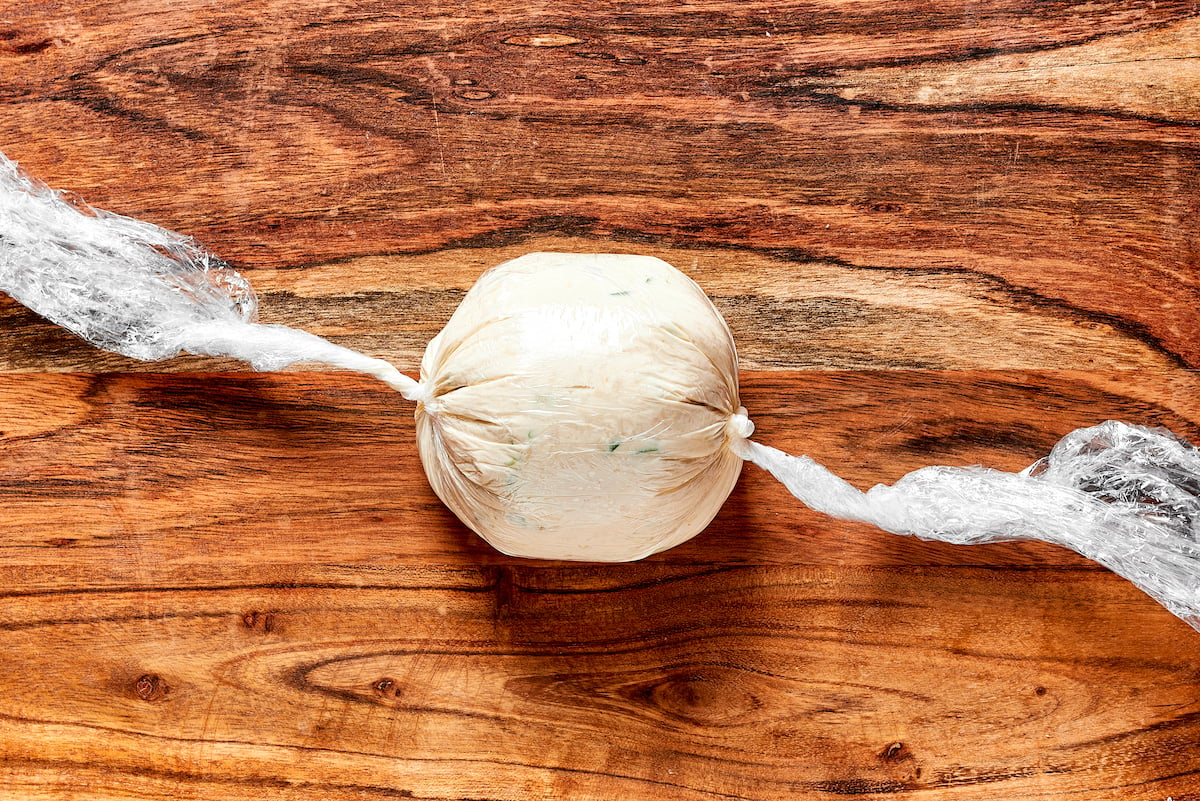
[[142, 291], [1125, 496]]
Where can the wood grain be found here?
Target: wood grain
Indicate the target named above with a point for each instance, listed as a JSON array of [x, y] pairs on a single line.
[[750, 683], [169, 474], [820, 315], [941, 233], [220, 584], [906, 138]]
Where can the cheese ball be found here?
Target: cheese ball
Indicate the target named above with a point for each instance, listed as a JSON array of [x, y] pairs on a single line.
[[582, 407]]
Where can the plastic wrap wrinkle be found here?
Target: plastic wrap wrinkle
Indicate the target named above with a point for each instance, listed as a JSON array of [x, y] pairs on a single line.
[[140, 290], [122, 284], [1125, 496]]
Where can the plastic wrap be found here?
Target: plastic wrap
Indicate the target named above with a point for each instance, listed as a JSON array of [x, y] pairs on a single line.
[[586, 406], [578, 407], [1125, 496], [142, 291]]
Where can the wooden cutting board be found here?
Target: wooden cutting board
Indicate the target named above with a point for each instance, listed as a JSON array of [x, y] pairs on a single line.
[[941, 233]]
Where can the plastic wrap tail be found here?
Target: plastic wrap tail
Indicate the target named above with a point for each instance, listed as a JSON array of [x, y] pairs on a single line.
[[142, 291], [1125, 496]]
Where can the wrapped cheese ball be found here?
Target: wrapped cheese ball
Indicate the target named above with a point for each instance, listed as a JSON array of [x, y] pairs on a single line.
[[582, 406], [579, 406]]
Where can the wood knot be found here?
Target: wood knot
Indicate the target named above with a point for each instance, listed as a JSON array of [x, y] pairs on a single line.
[[714, 697], [387, 688], [150, 687]]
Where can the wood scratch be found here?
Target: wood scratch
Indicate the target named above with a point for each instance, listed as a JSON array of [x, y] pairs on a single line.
[[899, 426], [437, 132]]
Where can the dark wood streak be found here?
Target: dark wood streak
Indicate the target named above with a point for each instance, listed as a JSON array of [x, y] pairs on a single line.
[[397, 322], [811, 96]]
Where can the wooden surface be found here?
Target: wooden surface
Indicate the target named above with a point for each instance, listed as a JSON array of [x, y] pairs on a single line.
[[941, 233]]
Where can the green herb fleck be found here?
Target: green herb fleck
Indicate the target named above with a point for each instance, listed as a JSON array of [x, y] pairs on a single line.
[[612, 446]]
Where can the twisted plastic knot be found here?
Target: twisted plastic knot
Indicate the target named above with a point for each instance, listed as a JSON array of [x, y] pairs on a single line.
[[422, 393], [739, 428]]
